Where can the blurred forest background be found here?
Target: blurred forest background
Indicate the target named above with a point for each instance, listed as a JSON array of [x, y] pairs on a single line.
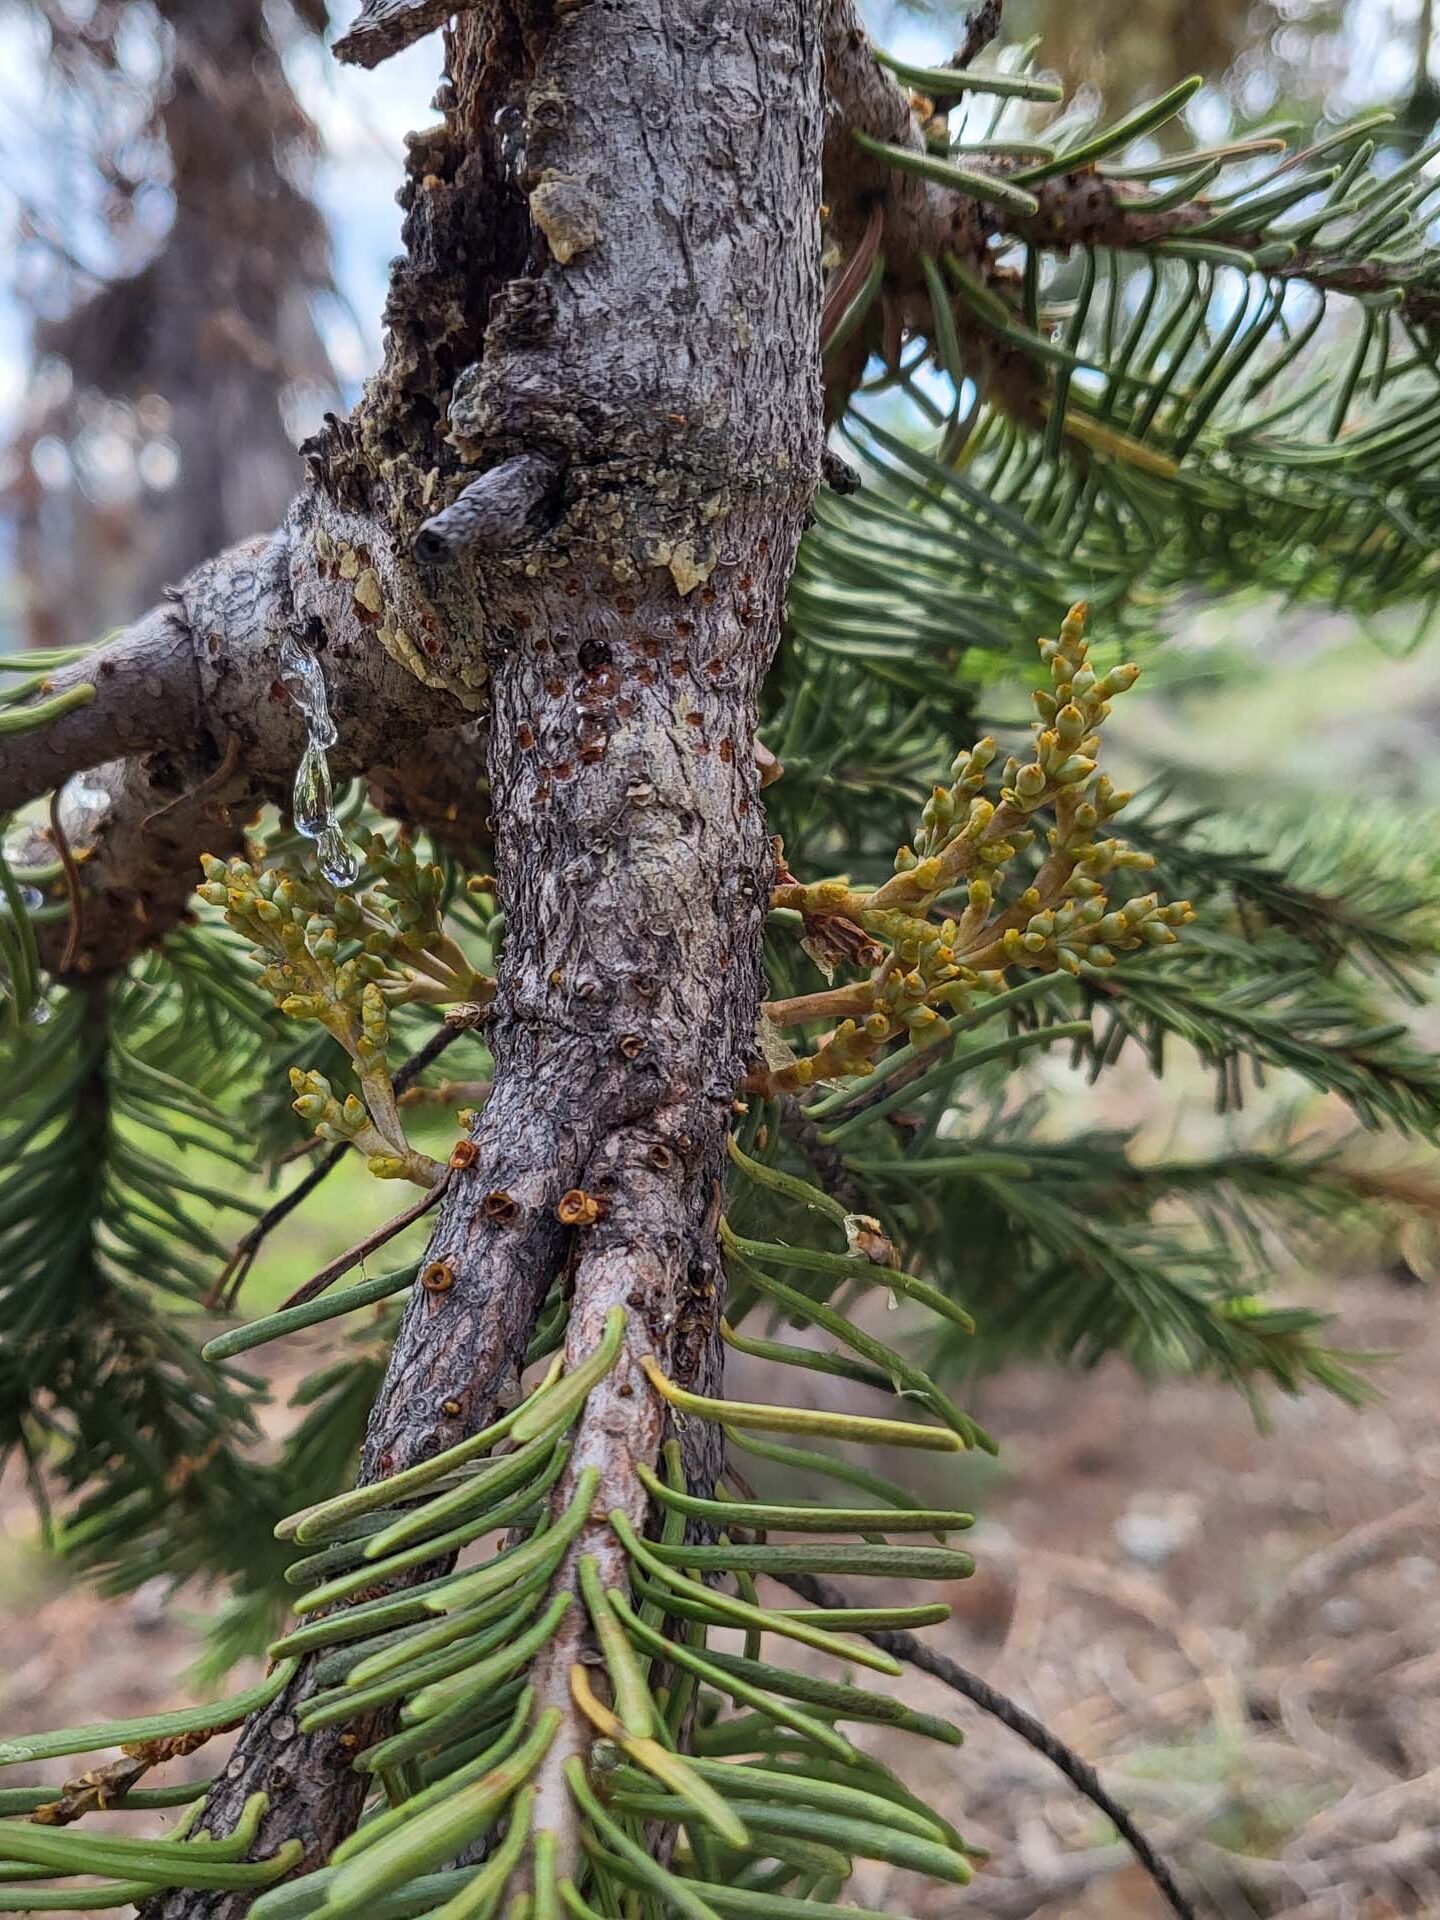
[[1240, 1628]]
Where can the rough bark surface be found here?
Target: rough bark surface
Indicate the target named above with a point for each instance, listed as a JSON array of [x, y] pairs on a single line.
[[629, 842], [439, 785], [653, 333]]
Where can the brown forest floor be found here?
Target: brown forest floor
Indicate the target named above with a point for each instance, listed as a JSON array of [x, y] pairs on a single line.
[[1241, 1631]]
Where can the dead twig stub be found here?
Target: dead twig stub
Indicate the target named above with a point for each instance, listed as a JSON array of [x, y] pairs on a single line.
[[337, 1268]]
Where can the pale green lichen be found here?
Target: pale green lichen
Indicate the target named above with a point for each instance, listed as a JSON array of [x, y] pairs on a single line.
[[369, 593], [567, 213]]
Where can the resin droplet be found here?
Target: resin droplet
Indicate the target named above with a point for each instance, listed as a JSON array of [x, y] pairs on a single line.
[[305, 683], [313, 803], [84, 804], [337, 858], [313, 798]]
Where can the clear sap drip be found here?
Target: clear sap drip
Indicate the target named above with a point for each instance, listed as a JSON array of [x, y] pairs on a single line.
[[338, 861], [305, 682], [313, 804]]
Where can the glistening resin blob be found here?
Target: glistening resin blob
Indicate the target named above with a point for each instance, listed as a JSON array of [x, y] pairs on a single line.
[[313, 805]]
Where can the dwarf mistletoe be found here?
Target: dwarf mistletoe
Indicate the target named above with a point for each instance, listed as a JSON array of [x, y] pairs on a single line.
[[531, 605]]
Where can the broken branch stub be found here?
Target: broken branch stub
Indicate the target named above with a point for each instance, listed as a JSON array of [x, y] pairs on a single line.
[[507, 505]]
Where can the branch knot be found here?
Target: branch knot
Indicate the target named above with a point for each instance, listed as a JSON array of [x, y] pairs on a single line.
[[502, 508]]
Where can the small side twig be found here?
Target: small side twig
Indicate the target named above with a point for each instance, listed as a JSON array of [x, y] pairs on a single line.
[[981, 27], [73, 890], [226, 1289], [387, 27], [504, 506], [352, 1256], [1081, 1775]]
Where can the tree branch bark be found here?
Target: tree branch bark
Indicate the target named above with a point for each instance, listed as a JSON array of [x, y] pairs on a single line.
[[921, 216], [386, 27], [192, 697], [503, 508], [145, 683], [656, 336], [611, 274]]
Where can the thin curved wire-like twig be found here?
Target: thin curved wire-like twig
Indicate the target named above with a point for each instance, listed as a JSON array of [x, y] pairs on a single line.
[[352, 1256], [233, 1275], [1081, 1775]]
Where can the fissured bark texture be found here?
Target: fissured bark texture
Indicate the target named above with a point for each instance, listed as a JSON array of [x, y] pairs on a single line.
[[657, 340]]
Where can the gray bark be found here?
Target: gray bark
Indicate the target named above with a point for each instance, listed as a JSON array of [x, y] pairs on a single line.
[[386, 27], [505, 507], [192, 696]]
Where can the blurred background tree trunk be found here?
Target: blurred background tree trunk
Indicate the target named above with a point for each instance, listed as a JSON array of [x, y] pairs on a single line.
[[168, 397]]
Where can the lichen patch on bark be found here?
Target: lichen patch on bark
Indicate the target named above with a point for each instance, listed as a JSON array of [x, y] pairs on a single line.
[[567, 213]]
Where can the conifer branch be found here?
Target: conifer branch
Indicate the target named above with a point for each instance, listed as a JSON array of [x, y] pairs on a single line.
[[141, 684], [634, 877], [183, 727], [901, 196]]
